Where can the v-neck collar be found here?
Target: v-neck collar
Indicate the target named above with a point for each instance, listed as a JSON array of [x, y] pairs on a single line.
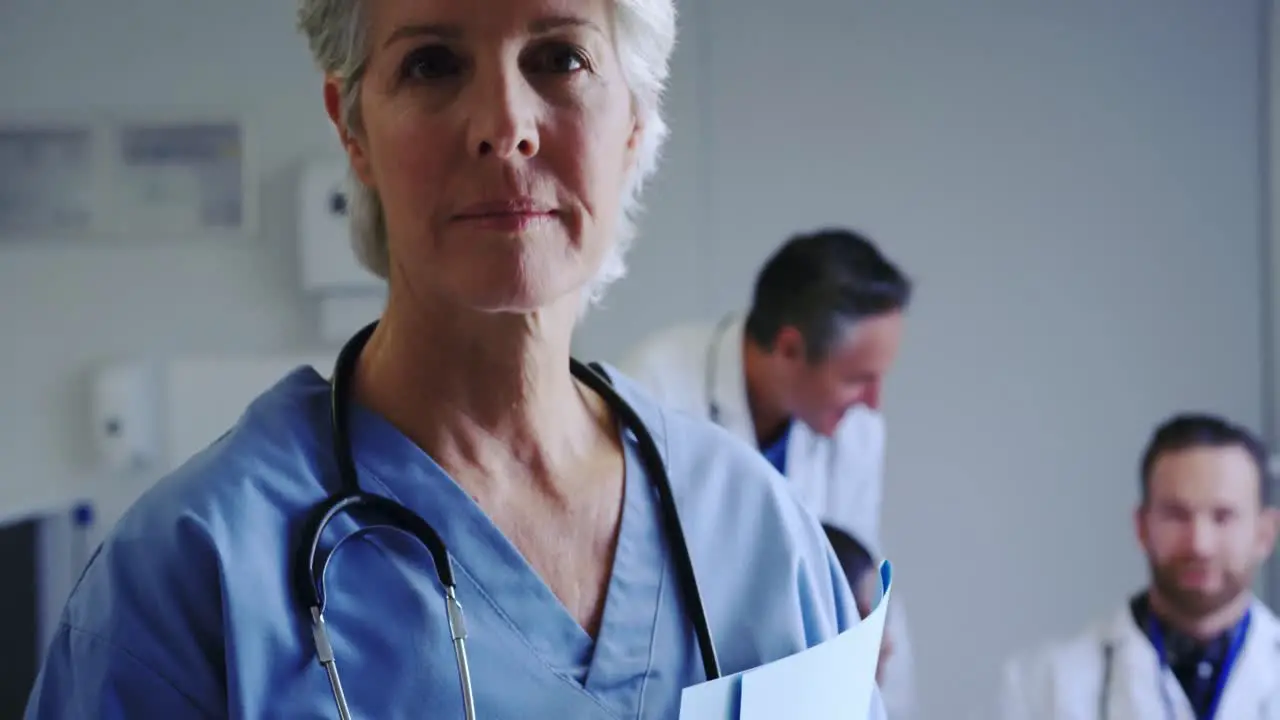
[[624, 645], [611, 667]]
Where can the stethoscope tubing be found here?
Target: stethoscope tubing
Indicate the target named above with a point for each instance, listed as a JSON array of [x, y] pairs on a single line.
[[311, 564]]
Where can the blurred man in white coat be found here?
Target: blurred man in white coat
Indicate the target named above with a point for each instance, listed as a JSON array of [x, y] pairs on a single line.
[[1195, 643], [799, 378]]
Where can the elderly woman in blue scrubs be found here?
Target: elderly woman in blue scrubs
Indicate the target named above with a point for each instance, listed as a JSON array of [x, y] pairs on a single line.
[[498, 148]]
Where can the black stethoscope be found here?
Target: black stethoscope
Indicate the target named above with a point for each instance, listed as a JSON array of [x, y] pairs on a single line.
[[310, 564], [1157, 640]]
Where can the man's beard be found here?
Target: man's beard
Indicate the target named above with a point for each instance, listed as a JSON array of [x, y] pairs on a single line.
[[1194, 603]]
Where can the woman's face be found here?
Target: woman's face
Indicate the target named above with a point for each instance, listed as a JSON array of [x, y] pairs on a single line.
[[499, 135]]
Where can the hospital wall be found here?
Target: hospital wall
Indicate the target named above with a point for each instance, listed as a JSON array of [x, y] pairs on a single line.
[[1076, 188]]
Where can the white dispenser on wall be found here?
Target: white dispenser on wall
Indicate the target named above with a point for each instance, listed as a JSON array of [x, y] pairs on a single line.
[[324, 243], [347, 295], [125, 409]]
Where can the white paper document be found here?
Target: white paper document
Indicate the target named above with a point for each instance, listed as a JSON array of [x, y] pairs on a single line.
[[828, 681]]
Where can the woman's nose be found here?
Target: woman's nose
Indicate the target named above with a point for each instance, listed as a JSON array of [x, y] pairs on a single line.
[[506, 144], [503, 122]]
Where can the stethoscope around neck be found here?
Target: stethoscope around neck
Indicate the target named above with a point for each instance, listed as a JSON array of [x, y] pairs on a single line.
[[310, 563]]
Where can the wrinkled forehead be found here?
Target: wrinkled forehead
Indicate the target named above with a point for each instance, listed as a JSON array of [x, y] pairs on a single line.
[[389, 20], [1206, 477]]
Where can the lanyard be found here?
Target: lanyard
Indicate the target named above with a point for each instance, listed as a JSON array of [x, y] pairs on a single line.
[[1228, 662]]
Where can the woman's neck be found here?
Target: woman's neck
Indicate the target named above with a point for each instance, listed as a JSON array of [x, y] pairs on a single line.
[[488, 395]]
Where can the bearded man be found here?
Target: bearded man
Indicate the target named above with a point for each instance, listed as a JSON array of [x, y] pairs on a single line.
[[1196, 642]]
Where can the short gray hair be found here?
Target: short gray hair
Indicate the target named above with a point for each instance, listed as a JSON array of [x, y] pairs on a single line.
[[645, 32]]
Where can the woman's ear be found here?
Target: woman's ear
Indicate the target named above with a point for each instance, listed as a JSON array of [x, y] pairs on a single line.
[[350, 141], [634, 139]]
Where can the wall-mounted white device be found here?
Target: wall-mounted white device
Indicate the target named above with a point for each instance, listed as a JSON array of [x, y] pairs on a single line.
[[324, 245], [124, 409]]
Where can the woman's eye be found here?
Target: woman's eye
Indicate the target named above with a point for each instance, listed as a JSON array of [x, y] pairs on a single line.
[[430, 63], [559, 58]]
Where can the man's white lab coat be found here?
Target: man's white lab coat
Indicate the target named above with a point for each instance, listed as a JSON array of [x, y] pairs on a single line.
[[1112, 672], [697, 368]]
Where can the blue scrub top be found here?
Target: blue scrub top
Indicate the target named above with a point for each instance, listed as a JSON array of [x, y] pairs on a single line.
[[186, 610]]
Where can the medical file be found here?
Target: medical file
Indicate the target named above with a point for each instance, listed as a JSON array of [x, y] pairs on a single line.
[[832, 680]]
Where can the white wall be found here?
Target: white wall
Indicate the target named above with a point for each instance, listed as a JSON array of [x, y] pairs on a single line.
[[1076, 188], [1271, 153], [1074, 185], [73, 303], [67, 305]]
